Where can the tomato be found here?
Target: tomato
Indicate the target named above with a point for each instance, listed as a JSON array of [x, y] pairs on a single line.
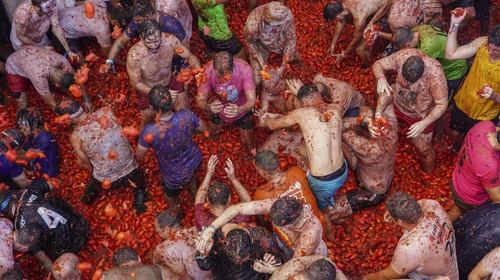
[[84, 266], [76, 91], [148, 138]]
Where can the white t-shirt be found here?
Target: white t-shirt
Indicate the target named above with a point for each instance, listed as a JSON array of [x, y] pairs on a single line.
[[491, 263], [6, 242], [428, 250]]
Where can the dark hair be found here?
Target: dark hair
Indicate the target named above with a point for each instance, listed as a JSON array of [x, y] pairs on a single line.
[[321, 270], [124, 255], [307, 91], [404, 207], [13, 135], [149, 27], [67, 106], [121, 15], [413, 68], [239, 246], [166, 219], [13, 274], [67, 79], [29, 235], [267, 160], [37, 3], [332, 9], [218, 194], [223, 62], [31, 117], [494, 36], [286, 210], [160, 99], [142, 8], [401, 36]]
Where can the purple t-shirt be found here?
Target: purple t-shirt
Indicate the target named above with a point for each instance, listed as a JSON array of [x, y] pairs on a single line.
[[203, 217], [177, 154], [8, 168], [46, 142], [241, 82]]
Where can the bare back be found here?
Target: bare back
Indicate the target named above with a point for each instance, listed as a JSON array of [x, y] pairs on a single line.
[[133, 273], [362, 9], [341, 93]]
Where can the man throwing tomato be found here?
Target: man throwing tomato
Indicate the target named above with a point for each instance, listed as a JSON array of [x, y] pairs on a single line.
[[420, 97], [233, 84]]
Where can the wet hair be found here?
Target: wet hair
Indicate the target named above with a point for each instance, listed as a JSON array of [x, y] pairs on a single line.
[[121, 15], [286, 210], [124, 255], [320, 270], [37, 3], [160, 99], [142, 8], [67, 106], [223, 62], [401, 36], [404, 207], [29, 236], [307, 91], [218, 194], [67, 79], [413, 68], [13, 274], [332, 9], [239, 246], [494, 36], [31, 117], [13, 135], [267, 160], [149, 27], [166, 219]]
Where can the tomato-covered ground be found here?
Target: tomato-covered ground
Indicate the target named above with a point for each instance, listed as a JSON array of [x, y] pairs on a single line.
[[363, 244]]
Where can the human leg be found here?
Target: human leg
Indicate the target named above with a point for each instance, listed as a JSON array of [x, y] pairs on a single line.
[[425, 151]]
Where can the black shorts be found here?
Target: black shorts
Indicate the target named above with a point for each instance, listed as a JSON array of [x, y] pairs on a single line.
[[246, 122], [73, 45], [176, 190], [464, 206], [462, 4], [364, 198], [135, 177], [231, 45], [453, 87], [482, 9], [461, 122]]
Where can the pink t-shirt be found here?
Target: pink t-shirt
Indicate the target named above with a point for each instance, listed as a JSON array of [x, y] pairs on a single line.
[[36, 63], [491, 263], [36, 26], [75, 23], [428, 250], [241, 82], [478, 165], [6, 242]]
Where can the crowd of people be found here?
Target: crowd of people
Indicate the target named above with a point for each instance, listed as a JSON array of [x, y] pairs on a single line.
[[423, 81]]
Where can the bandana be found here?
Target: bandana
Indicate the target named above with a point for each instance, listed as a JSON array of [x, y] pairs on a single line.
[[76, 114]]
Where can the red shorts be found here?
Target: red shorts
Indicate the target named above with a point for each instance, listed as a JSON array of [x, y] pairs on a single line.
[[410, 121], [143, 99], [17, 84]]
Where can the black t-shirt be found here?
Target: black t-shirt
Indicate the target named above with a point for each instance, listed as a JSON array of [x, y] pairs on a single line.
[[63, 230]]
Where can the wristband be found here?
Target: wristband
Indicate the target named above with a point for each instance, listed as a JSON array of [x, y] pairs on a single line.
[[210, 226], [342, 54], [87, 99], [382, 77], [110, 61]]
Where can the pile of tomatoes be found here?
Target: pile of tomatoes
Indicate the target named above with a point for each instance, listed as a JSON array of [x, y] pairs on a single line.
[[363, 244]]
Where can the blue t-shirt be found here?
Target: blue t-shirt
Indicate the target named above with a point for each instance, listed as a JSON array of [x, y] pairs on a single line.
[[47, 143], [8, 168], [168, 24], [177, 154]]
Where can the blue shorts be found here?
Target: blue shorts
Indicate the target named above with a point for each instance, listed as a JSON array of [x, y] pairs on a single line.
[[324, 190]]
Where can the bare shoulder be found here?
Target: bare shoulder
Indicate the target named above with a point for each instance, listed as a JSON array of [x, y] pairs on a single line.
[[135, 50]]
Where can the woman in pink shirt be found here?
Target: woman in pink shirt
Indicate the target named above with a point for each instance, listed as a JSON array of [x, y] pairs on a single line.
[[475, 178]]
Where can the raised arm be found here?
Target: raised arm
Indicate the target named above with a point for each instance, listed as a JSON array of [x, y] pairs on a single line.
[[453, 51], [238, 187], [201, 195]]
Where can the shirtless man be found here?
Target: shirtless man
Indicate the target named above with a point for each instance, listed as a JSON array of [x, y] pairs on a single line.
[[359, 11], [179, 9], [308, 268], [420, 97], [321, 127], [51, 67], [141, 11], [427, 247], [75, 25], [110, 156], [178, 243], [374, 160], [270, 28], [128, 266], [297, 229], [31, 21], [149, 63]]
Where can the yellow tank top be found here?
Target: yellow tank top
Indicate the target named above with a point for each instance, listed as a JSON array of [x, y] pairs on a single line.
[[483, 71]]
